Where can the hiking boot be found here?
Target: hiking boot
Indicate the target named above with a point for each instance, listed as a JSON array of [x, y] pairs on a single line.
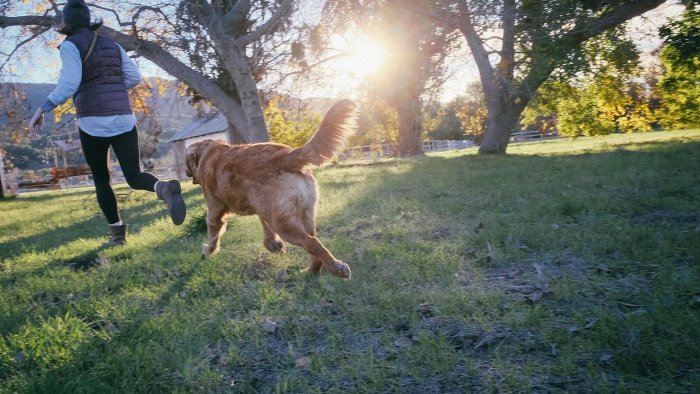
[[118, 236], [170, 192]]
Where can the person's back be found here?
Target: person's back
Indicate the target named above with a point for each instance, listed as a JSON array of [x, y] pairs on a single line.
[[102, 91], [97, 73]]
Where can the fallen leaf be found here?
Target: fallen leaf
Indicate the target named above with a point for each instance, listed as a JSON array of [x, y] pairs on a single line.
[[302, 362], [695, 300], [535, 296], [491, 338], [591, 322], [403, 342], [605, 358], [270, 326]]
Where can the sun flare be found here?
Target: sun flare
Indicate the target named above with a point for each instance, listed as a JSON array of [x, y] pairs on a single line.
[[363, 58]]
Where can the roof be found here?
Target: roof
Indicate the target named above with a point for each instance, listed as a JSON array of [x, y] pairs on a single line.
[[204, 126]]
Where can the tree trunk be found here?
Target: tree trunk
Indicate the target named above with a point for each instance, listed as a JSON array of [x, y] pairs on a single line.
[[500, 123], [410, 126], [248, 92], [234, 136]]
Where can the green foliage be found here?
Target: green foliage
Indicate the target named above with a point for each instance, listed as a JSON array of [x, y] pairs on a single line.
[[291, 128], [463, 116], [377, 123], [678, 86], [572, 273], [604, 100]]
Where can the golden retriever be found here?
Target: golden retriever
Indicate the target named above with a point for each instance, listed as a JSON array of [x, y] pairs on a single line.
[[274, 182]]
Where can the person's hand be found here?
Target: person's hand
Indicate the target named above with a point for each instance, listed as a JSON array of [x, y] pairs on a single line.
[[37, 121]]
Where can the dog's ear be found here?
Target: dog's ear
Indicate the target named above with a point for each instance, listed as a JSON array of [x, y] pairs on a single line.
[[191, 163]]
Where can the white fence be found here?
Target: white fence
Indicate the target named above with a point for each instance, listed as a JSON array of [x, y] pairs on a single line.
[[366, 152], [378, 151]]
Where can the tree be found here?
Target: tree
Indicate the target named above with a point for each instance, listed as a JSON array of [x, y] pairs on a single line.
[[414, 53], [601, 98], [464, 116], [678, 86], [290, 127], [376, 124], [517, 45], [218, 48]]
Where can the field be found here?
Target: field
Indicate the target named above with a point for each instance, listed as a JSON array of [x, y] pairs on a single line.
[[566, 266]]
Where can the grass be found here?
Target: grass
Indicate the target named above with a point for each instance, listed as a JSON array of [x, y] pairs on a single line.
[[567, 266]]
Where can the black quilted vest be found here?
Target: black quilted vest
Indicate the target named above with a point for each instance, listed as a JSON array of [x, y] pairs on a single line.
[[102, 91]]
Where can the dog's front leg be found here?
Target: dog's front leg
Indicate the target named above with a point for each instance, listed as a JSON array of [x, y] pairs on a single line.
[[216, 226]]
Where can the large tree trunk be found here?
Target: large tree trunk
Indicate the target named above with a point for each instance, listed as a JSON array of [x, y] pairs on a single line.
[[248, 92], [410, 126], [500, 123]]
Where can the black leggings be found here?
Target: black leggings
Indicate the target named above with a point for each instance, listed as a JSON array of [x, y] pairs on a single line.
[[126, 148]]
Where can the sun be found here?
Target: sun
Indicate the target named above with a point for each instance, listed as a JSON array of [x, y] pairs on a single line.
[[361, 57]]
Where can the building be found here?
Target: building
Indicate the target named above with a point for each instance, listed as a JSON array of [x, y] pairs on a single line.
[[214, 126]]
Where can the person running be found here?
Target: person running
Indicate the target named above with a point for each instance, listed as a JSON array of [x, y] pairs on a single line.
[[97, 72]]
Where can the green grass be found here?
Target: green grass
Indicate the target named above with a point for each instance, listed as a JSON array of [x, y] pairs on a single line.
[[567, 266]]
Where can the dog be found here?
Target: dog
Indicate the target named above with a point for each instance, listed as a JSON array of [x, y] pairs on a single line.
[[274, 182]]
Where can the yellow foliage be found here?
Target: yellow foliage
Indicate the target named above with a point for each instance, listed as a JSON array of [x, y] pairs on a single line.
[[139, 99], [288, 127], [66, 108]]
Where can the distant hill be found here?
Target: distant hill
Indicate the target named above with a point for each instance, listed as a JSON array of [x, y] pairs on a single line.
[[172, 113], [172, 110]]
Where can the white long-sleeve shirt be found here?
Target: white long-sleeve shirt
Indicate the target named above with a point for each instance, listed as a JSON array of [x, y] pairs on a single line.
[[69, 81]]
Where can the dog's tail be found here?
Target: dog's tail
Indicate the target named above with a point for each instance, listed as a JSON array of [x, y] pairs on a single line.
[[330, 137]]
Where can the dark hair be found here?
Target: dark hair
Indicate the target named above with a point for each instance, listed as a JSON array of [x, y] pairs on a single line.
[[67, 29]]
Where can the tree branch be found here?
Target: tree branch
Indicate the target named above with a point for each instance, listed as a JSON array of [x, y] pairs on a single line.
[[476, 45], [238, 13], [28, 20], [542, 66], [266, 27], [116, 15], [507, 63], [36, 34], [615, 16]]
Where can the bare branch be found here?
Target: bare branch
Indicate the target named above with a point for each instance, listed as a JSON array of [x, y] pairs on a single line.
[[267, 27], [116, 15], [36, 34], [312, 66]]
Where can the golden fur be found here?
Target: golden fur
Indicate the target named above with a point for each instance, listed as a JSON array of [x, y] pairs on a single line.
[[274, 182]]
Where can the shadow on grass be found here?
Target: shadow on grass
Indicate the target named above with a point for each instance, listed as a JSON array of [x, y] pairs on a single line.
[[86, 228], [52, 240], [59, 379]]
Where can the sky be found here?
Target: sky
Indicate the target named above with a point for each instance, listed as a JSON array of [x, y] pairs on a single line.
[[40, 62]]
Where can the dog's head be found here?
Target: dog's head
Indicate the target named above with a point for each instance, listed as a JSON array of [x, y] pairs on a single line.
[[193, 155]]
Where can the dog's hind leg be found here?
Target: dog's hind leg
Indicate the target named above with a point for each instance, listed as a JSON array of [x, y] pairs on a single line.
[[216, 226], [294, 233], [272, 242], [315, 265]]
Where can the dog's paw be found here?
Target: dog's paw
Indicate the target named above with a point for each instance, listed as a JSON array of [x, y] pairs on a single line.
[[340, 269], [274, 245], [207, 250]]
